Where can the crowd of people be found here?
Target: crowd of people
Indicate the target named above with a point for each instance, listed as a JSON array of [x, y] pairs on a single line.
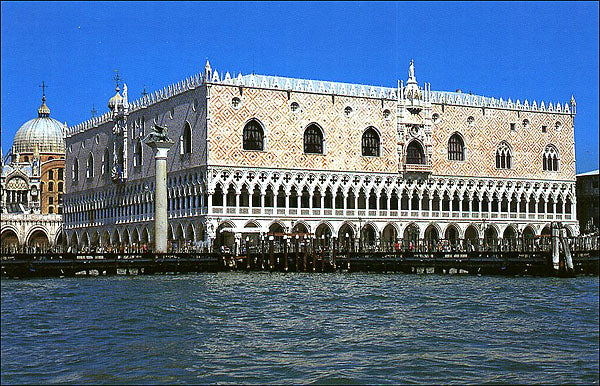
[[279, 245]]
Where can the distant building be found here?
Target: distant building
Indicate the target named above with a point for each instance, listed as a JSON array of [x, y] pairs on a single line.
[[32, 184], [268, 156], [587, 201]]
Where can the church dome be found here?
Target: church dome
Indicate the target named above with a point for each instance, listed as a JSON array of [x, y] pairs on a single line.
[[45, 132]]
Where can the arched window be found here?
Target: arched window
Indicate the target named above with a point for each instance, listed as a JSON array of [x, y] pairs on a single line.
[[137, 158], [75, 170], [415, 153], [50, 186], [253, 137], [313, 139], [186, 143], [90, 167], [456, 148], [370, 142], [51, 174], [550, 159], [60, 186], [105, 162], [503, 156]]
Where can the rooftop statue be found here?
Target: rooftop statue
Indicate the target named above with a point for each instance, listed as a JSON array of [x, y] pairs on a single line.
[[411, 70]]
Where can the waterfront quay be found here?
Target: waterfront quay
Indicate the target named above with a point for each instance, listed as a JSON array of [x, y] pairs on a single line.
[[520, 259]]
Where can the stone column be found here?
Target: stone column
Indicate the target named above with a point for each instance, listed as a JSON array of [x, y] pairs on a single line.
[[160, 201], [209, 204], [159, 142]]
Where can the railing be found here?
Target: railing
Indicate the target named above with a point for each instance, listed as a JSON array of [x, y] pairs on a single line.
[[337, 212]]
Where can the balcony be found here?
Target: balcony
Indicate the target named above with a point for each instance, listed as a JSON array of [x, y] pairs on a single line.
[[418, 168]]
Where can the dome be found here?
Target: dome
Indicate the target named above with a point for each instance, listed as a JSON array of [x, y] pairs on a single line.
[[116, 100], [45, 132]]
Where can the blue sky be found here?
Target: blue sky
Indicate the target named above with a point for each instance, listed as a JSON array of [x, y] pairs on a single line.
[[536, 51]]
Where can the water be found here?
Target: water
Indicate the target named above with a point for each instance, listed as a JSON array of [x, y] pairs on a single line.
[[300, 328]]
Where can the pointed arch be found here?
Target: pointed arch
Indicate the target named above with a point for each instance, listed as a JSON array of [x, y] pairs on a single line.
[[135, 236], [369, 234], [190, 233], [371, 142], [253, 135], [106, 162], [314, 139], [105, 240], [346, 230], [89, 169], [411, 234], [137, 155], [186, 143], [116, 239], [301, 227], [550, 159], [432, 234], [504, 156], [324, 231], [452, 233], [389, 234], [75, 176], [415, 155], [472, 234], [456, 147]]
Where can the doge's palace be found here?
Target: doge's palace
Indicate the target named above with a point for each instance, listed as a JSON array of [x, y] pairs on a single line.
[[268, 156]]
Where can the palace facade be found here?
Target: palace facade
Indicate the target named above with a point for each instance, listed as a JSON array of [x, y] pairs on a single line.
[[266, 155]]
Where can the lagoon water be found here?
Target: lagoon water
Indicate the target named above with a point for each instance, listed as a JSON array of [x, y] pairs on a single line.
[[300, 328]]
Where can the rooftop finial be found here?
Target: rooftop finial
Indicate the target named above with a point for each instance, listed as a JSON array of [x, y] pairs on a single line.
[[43, 111], [117, 99], [43, 86], [117, 79], [207, 71]]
